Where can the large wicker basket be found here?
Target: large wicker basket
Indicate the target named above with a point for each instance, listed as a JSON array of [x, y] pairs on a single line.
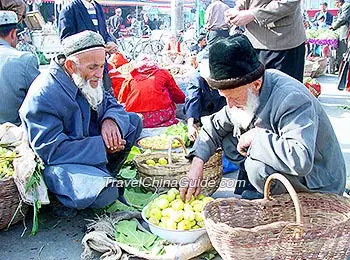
[[266, 228], [12, 209], [163, 177]]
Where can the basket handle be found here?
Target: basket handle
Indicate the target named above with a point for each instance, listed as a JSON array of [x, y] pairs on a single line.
[[289, 188], [170, 160]]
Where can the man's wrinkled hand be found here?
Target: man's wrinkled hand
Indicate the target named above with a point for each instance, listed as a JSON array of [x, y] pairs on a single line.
[[192, 132], [192, 185], [112, 137], [111, 47], [245, 140]]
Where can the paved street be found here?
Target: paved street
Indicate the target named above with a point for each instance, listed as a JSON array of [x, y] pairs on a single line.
[[60, 238]]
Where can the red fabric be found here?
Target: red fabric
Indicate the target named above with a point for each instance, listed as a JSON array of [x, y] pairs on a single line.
[[116, 60], [157, 92], [117, 81], [144, 69], [164, 117], [315, 89]]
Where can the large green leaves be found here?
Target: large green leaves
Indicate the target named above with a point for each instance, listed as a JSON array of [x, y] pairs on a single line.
[[127, 233], [137, 198]]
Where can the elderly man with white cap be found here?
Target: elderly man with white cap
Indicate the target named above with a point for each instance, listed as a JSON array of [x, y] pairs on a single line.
[[271, 123], [17, 69], [81, 133]]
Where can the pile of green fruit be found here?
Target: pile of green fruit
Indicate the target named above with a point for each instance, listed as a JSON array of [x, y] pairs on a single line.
[[6, 160], [159, 142], [160, 161], [170, 212]]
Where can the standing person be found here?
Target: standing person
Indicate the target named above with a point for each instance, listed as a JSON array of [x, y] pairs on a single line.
[[342, 23], [276, 30], [146, 25], [114, 23], [17, 69], [271, 123], [79, 131], [81, 15], [323, 12], [215, 22]]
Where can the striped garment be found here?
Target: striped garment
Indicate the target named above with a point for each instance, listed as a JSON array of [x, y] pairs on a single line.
[[92, 12]]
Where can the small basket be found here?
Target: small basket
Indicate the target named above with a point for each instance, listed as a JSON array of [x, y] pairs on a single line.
[[266, 228], [12, 210], [163, 177]]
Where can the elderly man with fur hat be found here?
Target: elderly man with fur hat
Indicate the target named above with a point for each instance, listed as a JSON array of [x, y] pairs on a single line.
[[271, 123], [81, 133]]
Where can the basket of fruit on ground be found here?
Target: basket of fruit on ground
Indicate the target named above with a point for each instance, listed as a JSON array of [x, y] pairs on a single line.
[[160, 171], [158, 142], [12, 209], [175, 220]]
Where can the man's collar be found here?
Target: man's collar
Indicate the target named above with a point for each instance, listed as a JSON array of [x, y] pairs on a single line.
[[59, 73], [3, 42]]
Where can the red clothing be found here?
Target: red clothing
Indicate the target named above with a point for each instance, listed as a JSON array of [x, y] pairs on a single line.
[[150, 91], [164, 117], [117, 81]]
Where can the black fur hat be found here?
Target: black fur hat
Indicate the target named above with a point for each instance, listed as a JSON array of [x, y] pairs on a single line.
[[233, 62]]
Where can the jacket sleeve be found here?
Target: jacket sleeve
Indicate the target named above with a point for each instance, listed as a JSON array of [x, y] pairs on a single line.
[[343, 18], [215, 128], [116, 112], [193, 105], [176, 94], [102, 25], [291, 148], [67, 22], [47, 137], [274, 11], [32, 69]]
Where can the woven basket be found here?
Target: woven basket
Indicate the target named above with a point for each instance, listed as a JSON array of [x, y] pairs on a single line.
[[315, 67], [266, 228], [163, 177], [10, 203]]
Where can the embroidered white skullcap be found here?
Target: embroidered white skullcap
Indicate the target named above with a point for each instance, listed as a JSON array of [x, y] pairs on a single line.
[[8, 18]]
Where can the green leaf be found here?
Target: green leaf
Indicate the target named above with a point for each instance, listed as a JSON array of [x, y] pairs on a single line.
[[127, 233], [138, 199], [119, 206], [128, 173], [134, 151]]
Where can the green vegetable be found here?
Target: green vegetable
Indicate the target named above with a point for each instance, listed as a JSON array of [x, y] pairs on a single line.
[[134, 151], [179, 130], [127, 233]]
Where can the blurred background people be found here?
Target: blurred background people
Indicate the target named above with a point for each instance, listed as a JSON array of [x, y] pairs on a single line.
[[323, 12]]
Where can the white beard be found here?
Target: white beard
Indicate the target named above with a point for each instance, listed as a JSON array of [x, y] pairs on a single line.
[[94, 96], [243, 117]]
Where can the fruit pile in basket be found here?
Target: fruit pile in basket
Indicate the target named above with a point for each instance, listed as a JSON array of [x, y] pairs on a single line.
[[170, 212], [158, 142]]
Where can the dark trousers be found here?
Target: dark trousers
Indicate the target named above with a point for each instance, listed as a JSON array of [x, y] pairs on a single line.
[[289, 61], [340, 52], [213, 36]]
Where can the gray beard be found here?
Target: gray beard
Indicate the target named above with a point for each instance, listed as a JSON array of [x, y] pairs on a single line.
[[242, 118], [94, 96]]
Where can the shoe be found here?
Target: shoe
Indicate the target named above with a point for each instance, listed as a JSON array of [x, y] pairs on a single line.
[[252, 195], [61, 211]]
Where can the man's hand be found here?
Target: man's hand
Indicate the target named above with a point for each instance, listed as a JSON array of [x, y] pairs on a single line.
[[111, 136], [239, 18], [245, 140], [194, 179], [111, 47], [192, 129]]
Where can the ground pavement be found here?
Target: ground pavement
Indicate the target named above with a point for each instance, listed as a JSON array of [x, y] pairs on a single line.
[[60, 239]]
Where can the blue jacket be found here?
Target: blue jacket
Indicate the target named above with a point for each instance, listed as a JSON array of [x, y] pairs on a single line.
[[329, 18], [17, 71], [58, 120], [201, 100], [74, 18]]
